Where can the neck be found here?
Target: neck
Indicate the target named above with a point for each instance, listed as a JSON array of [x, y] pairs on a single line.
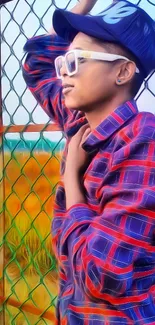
[[96, 115]]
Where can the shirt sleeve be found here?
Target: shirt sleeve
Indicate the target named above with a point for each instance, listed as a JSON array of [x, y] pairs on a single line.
[[104, 248], [40, 77]]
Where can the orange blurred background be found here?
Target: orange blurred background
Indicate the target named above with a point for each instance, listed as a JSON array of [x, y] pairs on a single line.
[[30, 272]]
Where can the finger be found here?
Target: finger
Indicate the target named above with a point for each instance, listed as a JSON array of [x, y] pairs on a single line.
[[86, 135], [87, 5], [78, 136], [84, 127], [87, 131], [83, 7]]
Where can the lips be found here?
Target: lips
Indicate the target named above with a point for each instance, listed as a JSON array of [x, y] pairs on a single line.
[[67, 88]]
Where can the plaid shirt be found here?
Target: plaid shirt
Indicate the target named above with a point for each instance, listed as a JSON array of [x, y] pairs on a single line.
[[105, 248]]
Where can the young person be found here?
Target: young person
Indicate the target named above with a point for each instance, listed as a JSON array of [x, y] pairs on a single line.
[[104, 224]]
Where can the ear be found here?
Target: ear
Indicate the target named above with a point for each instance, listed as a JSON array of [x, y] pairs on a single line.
[[126, 71]]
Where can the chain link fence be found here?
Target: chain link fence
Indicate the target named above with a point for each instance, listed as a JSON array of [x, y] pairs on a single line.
[[31, 149]]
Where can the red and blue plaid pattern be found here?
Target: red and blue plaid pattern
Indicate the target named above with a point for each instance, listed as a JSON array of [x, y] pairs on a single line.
[[105, 248]]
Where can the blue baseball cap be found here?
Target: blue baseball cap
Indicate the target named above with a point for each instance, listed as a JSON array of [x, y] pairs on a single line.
[[122, 22]]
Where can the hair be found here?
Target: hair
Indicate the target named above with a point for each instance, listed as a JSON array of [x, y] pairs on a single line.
[[138, 78]]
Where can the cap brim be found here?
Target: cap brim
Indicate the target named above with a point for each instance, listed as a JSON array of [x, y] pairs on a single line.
[[67, 25]]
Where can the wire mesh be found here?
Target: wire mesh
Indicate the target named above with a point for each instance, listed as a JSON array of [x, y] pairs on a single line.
[[30, 164]]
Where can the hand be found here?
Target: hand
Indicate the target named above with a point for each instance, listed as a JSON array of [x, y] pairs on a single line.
[[77, 157], [81, 8]]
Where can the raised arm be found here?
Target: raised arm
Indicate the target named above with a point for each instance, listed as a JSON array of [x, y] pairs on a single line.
[[40, 77]]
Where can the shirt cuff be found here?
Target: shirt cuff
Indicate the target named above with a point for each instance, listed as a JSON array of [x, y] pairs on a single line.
[[46, 41]]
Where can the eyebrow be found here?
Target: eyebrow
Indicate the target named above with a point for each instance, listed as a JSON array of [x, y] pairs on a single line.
[[78, 48]]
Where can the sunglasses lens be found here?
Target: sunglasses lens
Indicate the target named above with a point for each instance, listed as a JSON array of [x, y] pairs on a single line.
[[58, 66], [71, 62]]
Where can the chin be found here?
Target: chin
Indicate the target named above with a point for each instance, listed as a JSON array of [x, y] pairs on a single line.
[[72, 104]]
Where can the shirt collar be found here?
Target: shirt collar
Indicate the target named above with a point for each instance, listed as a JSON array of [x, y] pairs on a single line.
[[110, 125]]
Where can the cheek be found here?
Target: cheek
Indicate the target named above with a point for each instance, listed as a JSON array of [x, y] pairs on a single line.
[[94, 82], [91, 85]]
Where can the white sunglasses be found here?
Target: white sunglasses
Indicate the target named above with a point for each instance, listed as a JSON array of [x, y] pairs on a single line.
[[71, 60]]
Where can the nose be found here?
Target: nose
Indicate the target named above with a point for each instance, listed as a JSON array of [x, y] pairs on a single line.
[[63, 70]]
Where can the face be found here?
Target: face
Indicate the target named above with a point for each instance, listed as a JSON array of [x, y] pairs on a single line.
[[94, 83]]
